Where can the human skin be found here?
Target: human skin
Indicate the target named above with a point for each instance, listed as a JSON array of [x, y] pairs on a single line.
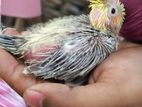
[[114, 83]]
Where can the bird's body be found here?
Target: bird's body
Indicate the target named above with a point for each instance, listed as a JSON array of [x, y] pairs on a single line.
[[66, 48], [70, 52]]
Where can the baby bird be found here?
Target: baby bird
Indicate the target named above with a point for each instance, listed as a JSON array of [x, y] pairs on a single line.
[[69, 48]]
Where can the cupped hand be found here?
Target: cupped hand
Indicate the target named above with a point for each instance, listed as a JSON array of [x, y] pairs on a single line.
[[114, 83]]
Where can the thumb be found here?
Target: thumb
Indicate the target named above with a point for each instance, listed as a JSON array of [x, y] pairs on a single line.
[[47, 95], [59, 95]]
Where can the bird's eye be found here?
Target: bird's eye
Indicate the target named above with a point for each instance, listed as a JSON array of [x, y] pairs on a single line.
[[113, 11]]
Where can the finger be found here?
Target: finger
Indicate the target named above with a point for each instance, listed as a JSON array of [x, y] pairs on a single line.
[[58, 95], [11, 72], [37, 96], [10, 31]]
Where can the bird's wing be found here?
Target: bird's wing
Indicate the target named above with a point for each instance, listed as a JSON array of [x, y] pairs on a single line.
[[76, 56], [54, 31]]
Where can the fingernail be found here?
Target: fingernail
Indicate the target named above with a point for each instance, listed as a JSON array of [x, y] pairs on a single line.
[[33, 98]]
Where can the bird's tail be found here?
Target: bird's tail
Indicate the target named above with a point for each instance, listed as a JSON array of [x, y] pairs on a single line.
[[11, 43]]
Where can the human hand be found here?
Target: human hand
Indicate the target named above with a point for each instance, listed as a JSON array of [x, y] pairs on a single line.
[[10, 69], [115, 83]]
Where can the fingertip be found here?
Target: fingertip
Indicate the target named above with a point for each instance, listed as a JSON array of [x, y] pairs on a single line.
[[10, 31], [33, 98], [53, 94]]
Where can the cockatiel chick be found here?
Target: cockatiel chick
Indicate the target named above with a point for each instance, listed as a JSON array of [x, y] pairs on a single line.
[[69, 48]]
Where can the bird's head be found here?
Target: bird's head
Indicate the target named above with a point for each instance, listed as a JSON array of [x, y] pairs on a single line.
[[107, 15]]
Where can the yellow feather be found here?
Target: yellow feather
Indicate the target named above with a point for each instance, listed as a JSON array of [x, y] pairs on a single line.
[[101, 18], [95, 3]]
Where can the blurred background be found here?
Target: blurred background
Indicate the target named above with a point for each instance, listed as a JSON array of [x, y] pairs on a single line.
[[24, 13]]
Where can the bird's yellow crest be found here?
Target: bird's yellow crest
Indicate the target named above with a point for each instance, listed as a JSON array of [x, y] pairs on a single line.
[[94, 3], [107, 15]]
